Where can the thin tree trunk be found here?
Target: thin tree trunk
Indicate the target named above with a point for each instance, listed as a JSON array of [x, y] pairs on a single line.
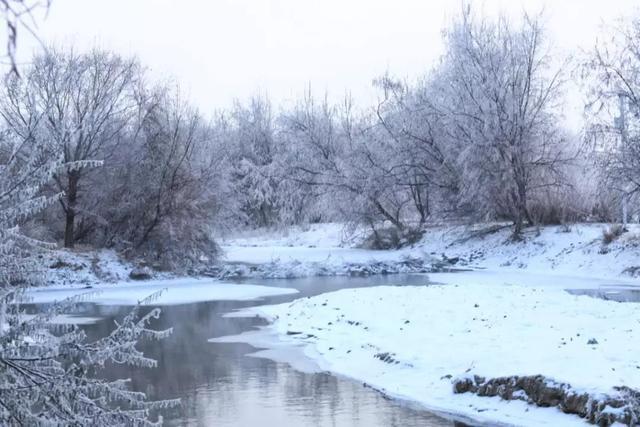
[[394, 220], [72, 196]]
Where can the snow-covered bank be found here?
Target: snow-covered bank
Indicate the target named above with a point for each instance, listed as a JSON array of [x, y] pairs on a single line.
[[319, 250], [171, 291], [88, 267], [412, 342], [325, 249], [575, 250]]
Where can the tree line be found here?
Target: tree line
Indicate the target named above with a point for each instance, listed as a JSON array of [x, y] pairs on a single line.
[[478, 137]]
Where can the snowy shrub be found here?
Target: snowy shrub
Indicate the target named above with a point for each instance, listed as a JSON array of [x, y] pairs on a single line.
[[391, 238], [612, 233], [566, 204]]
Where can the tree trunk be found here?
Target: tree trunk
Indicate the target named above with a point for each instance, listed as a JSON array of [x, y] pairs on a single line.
[[72, 196], [393, 220], [517, 228]]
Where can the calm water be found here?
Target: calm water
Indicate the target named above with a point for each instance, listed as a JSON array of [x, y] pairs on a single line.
[[221, 386], [610, 293]]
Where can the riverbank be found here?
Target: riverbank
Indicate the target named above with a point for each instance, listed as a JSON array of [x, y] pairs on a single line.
[[326, 249], [580, 250]]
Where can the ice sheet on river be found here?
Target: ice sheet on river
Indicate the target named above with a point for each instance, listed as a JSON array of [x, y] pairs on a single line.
[[172, 291]]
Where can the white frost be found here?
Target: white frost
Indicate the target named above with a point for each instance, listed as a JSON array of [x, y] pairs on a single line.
[[173, 291]]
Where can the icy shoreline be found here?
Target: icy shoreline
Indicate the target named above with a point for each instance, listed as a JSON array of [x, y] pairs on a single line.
[[413, 342], [164, 292], [323, 250]]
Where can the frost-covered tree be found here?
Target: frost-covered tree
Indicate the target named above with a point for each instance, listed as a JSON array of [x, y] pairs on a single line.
[[48, 373], [504, 99], [612, 74], [253, 153], [412, 119], [259, 151], [388, 167], [81, 105], [158, 192], [315, 139]]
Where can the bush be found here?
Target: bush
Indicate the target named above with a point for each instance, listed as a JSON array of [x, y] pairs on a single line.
[[559, 206], [391, 238], [177, 248], [612, 233]]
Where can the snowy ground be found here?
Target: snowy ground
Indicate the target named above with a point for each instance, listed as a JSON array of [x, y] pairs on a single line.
[[316, 250], [84, 267], [578, 250], [434, 334], [509, 316]]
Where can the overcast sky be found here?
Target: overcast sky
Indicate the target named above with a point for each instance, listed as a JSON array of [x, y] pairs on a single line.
[[220, 50]]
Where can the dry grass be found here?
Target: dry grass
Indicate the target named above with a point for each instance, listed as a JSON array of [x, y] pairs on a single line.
[[612, 233]]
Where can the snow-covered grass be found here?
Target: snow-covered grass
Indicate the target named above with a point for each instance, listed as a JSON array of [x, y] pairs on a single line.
[[325, 235], [84, 267], [171, 291], [430, 335], [576, 250]]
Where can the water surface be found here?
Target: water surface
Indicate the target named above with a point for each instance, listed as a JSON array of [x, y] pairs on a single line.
[[220, 386]]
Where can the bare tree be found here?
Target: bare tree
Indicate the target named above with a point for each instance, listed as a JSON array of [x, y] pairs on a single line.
[[81, 105], [159, 191], [612, 74], [18, 17], [504, 110]]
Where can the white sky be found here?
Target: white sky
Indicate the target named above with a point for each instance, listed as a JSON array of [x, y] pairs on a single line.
[[220, 50]]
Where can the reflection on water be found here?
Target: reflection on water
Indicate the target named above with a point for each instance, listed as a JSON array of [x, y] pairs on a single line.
[[220, 386]]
